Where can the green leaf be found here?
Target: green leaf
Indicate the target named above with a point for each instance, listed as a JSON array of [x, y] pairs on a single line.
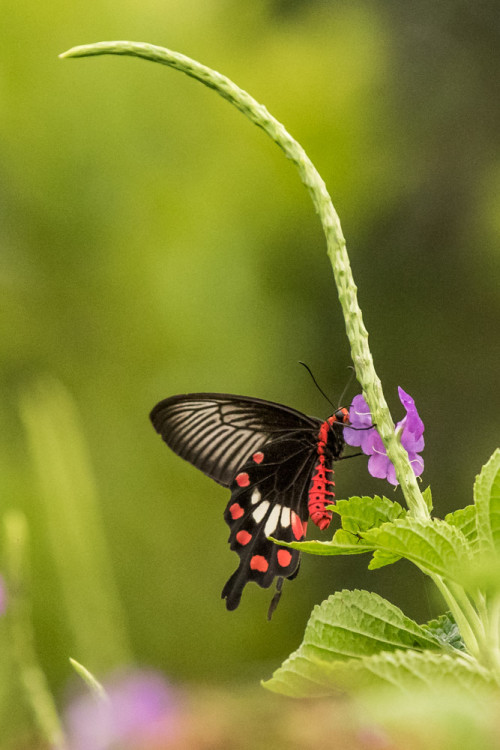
[[358, 623], [350, 625], [364, 513], [343, 543], [92, 682], [487, 501], [433, 545], [464, 519], [408, 670], [445, 629], [381, 558], [357, 514], [427, 495]]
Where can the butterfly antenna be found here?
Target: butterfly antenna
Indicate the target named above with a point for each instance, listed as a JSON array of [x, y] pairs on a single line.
[[351, 368], [316, 383]]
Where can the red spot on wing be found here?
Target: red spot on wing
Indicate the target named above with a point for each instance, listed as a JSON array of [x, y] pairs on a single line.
[[243, 537], [258, 562], [236, 511], [284, 557], [258, 457], [242, 479], [298, 528]]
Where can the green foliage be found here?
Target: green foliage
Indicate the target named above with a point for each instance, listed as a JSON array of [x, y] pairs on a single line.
[[352, 624], [358, 639], [487, 502], [363, 513], [432, 545], [445, 629], [465, 520], [360, 514], [409, 670], [343, 543], [357, 515], [427, 495]]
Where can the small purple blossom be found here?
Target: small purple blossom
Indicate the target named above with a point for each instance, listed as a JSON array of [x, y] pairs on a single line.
[[140, 707], [410, 429]]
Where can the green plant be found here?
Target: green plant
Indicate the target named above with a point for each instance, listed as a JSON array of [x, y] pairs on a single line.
[[356, 637]]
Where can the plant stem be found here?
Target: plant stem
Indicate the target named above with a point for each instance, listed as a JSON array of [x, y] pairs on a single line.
[[477, 623], [465, 627], [494, 631], [21, 632], [478, 629], [490, 617], [336, 245]]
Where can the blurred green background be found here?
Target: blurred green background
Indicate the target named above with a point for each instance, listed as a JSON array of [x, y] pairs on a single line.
[[154, 242]]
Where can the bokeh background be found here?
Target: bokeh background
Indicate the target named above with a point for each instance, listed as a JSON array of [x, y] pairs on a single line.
[[154, 242]]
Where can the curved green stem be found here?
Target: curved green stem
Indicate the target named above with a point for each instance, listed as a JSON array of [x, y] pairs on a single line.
[[489, 611], [477, 623], [479, 628], [336, 245], [467, 630], [494, 632], [495, 623]]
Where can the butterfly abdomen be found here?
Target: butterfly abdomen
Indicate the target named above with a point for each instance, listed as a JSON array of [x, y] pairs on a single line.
[[321, 494], [322, 487]]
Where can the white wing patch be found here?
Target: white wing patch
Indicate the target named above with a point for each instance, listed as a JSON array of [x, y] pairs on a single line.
[[256, 496], [285, 517], [261, 511], [272, 521]]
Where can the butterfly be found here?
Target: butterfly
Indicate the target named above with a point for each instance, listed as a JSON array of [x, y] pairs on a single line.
[[278, 465]]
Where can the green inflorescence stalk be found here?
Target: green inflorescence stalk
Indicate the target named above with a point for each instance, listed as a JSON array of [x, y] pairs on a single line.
[[347, 291]]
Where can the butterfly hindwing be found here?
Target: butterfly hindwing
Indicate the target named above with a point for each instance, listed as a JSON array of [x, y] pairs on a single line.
[[268, 498], [217, 432]]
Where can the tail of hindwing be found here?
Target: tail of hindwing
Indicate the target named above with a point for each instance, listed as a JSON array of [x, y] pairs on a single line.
[[267, 500]]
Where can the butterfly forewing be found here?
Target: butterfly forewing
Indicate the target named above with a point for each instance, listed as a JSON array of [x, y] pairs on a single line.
[[217, 432]]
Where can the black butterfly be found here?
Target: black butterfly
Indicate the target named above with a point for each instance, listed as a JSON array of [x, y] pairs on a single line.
[[277, 463]]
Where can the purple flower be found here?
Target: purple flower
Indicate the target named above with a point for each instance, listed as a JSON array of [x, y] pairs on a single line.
[[410, 429], [140, 707]]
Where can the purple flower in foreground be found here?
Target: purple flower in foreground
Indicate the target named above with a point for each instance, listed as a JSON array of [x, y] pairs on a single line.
[[410, 428], [140, 707]]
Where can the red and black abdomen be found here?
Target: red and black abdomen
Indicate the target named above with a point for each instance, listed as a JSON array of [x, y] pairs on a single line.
[[322, 486]]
